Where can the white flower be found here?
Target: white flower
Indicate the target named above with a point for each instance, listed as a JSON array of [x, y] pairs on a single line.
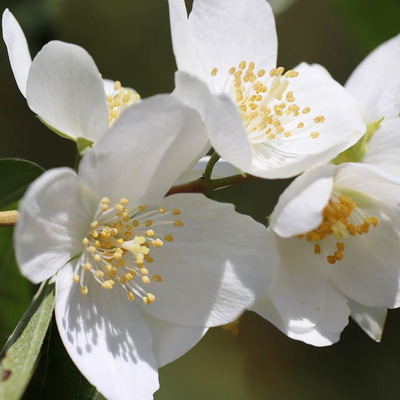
[[64, 87], [375, 85], [139, 278], [267, 122], [338, 232]]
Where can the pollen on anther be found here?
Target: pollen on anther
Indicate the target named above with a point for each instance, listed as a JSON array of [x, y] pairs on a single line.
[[150, 233], [214, 71], [168, 237], [146, 280], [84, 290], [314, 135], [75, 278], [151, 297], [130, 296], [178, 223], [306, 110]]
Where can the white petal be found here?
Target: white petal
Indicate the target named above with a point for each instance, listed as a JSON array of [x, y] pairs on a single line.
[[51, 226], [368, 180], [107, 338], [184, 40], [299, 208], [221, 116], [325, 332], [298, 291], [370, 319], [66, 91], [229, 31], [215, 267], [171, 341], [375, 83], [18, 51], [384, 147], [145, 151], [222, 169], [341, 128], [369, 272]]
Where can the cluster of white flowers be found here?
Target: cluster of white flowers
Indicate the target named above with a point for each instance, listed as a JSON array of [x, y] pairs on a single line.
[[140, 276]]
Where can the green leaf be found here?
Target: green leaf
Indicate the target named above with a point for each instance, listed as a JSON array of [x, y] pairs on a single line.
[[15, 176], [56, 373], [20, 354], [15, 291]]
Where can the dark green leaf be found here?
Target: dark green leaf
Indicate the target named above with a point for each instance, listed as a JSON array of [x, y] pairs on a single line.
[[19, 357], [15, 176]]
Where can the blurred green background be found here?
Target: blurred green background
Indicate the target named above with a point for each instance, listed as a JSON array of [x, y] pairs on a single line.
[[130, 41]]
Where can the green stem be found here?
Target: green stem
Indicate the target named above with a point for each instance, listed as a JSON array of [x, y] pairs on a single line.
[[210, 166]]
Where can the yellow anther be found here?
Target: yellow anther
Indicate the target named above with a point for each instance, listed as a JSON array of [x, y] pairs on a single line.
[[84, 290], [146, 301], [157, 278], [319, 119], [287, 134], [135, 223], [148, 258], [122, 280], [97, 257], [151, 297], [340, 246], [113, 114], [108, 284], [108, 267], [105, 200], [261, 73], [161, 210], [300, 125], [157, 243], [176, 211], [168, 237], [95, 234], [145, 280], [117, 85], [214, 71], [85, 241], [75, 278], [119, 207], [374, 221], [97, 244], [242, 65], [291, 74], [280, 71], [123, 201], [306, 110], [150, 233], [130, 296], [87, 266], [317, 249], [127, 235], [331, 259], [144, 271], [232, 70], [148, 222], [128, 276], [94, 224], [100, 274], [120, 241], [314, 135], [104, 207], [178, 223], [91, 249], [121, 263], [142, 208]]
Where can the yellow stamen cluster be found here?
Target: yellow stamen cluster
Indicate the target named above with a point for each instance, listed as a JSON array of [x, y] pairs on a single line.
[[118, 245], [267, 106], [341, 218], [121, 99]]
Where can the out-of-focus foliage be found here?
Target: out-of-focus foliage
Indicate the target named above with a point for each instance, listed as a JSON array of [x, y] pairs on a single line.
[[130, 41]]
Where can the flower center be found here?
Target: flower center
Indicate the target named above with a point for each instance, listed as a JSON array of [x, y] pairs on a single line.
[[341, 218], [118, 245], [119, 101], [267, 105]]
